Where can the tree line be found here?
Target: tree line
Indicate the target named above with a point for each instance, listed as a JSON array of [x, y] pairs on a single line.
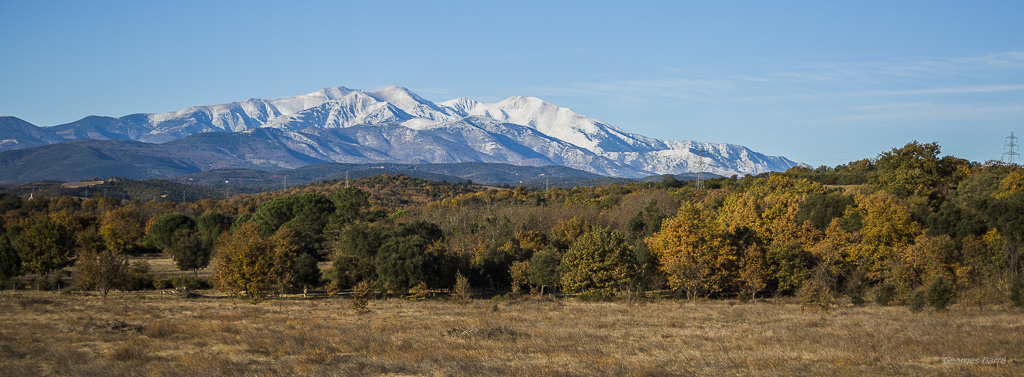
[[906, 226]]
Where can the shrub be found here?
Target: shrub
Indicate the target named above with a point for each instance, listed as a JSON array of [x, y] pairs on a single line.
[[361, 295], [419, 292], [138, 277], [461, 294], [816, 292], [939, 293], [916, 300], [884, 294]]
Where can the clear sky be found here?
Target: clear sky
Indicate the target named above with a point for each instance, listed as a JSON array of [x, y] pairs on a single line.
[[821, 82]]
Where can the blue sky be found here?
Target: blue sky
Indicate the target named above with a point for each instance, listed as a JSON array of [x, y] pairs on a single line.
[[820, 82]]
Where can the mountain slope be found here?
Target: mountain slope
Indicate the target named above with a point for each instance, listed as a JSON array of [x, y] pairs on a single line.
[[19, 134], [396, 125]]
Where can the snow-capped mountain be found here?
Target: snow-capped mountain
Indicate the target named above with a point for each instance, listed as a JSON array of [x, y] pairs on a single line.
[[396, 125]]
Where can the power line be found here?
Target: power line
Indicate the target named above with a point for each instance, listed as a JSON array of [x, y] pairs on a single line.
[[1012, 145]]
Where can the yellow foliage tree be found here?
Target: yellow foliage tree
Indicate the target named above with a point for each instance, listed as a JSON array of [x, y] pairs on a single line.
[[121, 229], [245, 263], [888, 226], [689, 247], [1013, 182]]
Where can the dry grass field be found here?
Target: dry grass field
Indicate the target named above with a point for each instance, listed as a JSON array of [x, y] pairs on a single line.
[[149, 334]]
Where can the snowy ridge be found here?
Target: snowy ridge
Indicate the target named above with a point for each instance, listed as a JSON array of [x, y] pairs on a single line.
[[396, 125]]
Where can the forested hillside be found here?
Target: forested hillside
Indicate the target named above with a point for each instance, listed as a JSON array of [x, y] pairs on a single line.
[[907, 226]]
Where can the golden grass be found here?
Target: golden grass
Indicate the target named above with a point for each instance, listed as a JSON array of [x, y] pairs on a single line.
[[145, 334]]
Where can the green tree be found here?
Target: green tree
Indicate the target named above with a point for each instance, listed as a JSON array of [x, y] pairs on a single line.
[[790, 265], [404, 261], [911, 170], [45, 246], [307, 273], [820, 209], [544, 268], [939, 293], [211, 225], [1006, 214], [349, 203], [355, 251], [10, 262], [189, 251], [307, 213], [162, 232], [601, 259]]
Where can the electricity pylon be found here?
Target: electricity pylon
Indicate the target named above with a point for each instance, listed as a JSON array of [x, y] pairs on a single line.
[[701, 165], [1012, 145]]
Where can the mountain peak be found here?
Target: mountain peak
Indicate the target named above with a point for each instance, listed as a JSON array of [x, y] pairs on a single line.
[[332, 92], [461, 105], [394, 124], [397, 95]]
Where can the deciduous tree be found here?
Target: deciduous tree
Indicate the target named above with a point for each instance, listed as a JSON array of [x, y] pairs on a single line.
[[601, 259], [45, 246], [245, 263]]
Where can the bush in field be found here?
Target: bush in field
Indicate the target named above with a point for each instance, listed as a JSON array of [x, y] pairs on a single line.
[[597, 295], [419, 292], [884, 294], [461, 292], [816, 292], [361, 295], [917, 300], [184, 281], [816, 295], [939, 293]]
